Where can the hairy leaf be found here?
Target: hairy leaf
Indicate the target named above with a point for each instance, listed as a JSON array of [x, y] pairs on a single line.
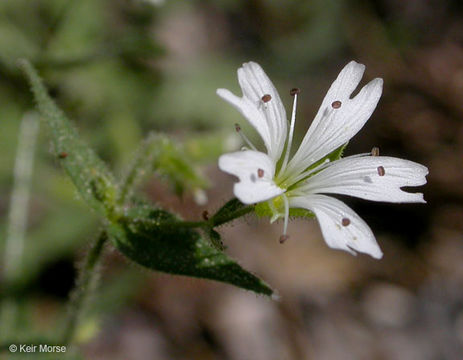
[[155, 239], [87, 171]]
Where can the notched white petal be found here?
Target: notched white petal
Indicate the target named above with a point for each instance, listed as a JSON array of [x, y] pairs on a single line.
[[255, 171], [250, 112], [341, 227], [261, 105], [339, 117], [376, 178]]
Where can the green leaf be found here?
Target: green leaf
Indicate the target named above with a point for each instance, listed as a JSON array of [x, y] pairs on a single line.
[[156, 239], [87, 171], [160, 154]]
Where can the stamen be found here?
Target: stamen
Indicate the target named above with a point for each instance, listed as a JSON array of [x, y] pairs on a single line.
[[336, 104], [244, 137], [293, 92], [323, 165], [260, 173], [381, 171], [266, 98], [305, 174], [285, 236], [375, 151], [345, 222]]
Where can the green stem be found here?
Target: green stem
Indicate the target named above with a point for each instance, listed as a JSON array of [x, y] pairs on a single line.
[[85, 283], [142, 164], [219, 220]]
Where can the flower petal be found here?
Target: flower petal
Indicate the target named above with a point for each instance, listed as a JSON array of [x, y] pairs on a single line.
[[269, 117], [250, 111], [341, 227], [255, 171], [339, 117], [377, 178]]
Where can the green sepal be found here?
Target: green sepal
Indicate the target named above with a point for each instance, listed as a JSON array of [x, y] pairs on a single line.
[[337, 154], [88, 172], [215, 239], [332, 156], [227, 211], [163, 156], [156, 239], [263, 210]]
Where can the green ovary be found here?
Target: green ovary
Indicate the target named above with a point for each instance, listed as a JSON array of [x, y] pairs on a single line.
[[276, 206]]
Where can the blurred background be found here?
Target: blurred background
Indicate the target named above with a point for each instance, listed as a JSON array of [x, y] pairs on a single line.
[[121, 68]]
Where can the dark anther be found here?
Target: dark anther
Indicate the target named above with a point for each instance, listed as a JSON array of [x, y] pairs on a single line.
[[266, 98], [336, 104], [237, 127], [63, 155], [205, 215], [294, 91], [375, 151], [345, 222], [283, 238], [260, 173], [381, 171]]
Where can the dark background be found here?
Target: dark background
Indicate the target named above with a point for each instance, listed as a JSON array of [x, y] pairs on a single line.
[[122, 68]]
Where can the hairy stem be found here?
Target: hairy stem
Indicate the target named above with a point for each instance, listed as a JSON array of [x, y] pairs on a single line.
[[219, 220], [85, 283]]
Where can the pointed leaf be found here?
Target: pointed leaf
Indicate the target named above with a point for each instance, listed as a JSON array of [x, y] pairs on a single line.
[[153, 238], [87, 171]]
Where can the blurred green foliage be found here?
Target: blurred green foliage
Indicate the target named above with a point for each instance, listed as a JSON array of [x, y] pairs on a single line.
[[99, 59]]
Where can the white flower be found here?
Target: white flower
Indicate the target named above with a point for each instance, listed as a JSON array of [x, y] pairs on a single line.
[[301, 181]]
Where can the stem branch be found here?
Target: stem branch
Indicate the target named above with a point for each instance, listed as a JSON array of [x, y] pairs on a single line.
[[85, 282]]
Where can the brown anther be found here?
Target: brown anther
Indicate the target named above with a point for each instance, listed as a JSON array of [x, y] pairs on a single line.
[[345, 222], [266, 98], [336, 104], [260, 173], [294, 91], [63, 155], [205, 215], [283, 238], [375, 151], [237, 127], [381, 171]]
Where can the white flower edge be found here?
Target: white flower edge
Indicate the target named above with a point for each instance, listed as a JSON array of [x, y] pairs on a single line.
[[375, 178], [333, 215], [333, 127], [299, 182], [255, 171], [267, 117]]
